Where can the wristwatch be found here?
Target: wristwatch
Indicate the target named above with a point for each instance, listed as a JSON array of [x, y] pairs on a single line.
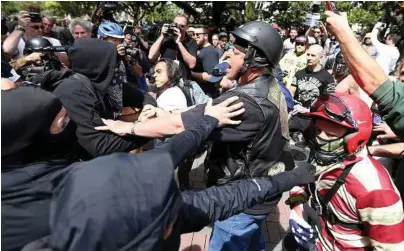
[[132, 129], [20, 28]]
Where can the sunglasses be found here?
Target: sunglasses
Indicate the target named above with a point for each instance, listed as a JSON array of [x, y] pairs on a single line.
[[37, 27], [335, 108], [199, 34], [300, 44]]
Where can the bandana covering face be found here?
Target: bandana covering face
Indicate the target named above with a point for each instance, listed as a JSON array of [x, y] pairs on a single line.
[[114, 90], [333, 147]]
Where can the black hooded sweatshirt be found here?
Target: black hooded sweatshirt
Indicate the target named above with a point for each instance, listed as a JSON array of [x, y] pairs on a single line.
[[126, 201], [27, 114], [86, 104]]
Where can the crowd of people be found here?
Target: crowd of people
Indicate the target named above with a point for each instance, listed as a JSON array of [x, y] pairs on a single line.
[[100, 130]]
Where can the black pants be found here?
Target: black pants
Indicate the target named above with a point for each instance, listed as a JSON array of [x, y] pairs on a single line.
[[26, 195], [299, 123]]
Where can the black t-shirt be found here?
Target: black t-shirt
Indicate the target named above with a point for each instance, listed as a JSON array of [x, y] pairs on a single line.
[[206, 61], [311, 85], [169, 49], [252, 120]]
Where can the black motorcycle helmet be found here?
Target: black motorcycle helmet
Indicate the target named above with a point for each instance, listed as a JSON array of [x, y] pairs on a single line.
[[36, 43], [263, 45]]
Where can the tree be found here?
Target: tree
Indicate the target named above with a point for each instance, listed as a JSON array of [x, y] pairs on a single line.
[[9, 7], [251, 13], [74, 8], [164, 13], [137, 10]]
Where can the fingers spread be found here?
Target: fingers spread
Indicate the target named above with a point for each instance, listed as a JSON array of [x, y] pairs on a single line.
[[228, 101]]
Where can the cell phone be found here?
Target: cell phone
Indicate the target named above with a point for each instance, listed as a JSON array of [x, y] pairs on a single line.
[[35, 17], [331, 6]]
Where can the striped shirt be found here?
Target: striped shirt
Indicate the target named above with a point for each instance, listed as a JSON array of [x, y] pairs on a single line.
[[368, 197]]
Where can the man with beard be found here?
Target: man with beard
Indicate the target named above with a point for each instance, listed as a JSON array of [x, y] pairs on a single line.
[[207, 59], [257, 147], [289, 44]]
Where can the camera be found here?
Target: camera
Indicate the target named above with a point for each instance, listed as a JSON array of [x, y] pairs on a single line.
[[171, 31], [35, 17], [133, 53], [107, 5], [48, 49]]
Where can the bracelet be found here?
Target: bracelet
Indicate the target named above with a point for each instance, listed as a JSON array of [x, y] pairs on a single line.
[[132, 129]]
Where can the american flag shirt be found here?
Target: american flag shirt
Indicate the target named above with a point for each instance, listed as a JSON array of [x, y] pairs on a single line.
[[368, 197]]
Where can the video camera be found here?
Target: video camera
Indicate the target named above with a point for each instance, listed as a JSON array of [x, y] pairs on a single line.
[[49, 61]]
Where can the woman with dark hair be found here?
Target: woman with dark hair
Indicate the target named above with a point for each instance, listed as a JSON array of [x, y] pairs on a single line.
[[173, 92]]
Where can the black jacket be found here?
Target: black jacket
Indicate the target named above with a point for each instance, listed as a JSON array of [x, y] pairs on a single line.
[[266, 153], [125, 202], [86, 104]]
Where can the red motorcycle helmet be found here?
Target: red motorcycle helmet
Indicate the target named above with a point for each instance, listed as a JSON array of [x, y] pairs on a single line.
[[348, 111]]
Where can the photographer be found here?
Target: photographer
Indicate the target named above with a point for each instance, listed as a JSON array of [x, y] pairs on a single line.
[[139, 36], [175, 44], [39, 57], [29, 26], [130, 57]]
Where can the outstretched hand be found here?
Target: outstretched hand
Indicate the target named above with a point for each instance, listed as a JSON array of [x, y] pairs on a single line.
[[116, 126], [225, 111]]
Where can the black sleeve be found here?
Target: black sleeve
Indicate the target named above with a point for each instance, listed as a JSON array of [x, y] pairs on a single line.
[[219, 203], [81, 108], [210, 60], [329, 84], [252, 120], [186, 143], [192, 48], [133, 97]]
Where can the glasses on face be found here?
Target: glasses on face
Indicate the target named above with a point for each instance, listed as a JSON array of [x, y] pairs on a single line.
[[199, 34], [223, 40], [37, 27], [300, 44]]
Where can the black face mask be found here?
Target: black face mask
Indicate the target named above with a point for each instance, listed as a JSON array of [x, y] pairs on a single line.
[[340, 68]]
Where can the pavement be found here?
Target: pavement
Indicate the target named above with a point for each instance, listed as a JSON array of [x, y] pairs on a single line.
[[275, 226]]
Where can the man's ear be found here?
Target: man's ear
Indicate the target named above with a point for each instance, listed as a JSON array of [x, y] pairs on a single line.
[[58, 124]]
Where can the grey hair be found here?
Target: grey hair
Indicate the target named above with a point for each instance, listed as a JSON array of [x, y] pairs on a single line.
[[50, 18], [88, 26]]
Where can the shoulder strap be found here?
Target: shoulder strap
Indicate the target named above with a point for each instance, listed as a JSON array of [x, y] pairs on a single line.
[[186, 90], [340, 181]]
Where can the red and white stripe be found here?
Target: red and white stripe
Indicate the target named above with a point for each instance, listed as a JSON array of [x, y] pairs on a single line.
[[369, 197]]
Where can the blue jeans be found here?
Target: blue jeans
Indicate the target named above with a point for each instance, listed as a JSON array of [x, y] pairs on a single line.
[[240, 232]]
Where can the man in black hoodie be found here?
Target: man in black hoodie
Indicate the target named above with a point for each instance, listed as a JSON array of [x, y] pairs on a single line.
[[132, 202], [103, 94]]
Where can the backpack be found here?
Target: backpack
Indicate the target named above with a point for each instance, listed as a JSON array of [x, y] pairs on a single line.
[[193, 92]]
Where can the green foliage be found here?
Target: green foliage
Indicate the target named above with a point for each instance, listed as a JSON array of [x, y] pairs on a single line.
[[163, 13], [9, 7], [74, 8], [251, 13]]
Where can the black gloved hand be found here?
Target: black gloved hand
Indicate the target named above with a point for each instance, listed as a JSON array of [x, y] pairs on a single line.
[[301, 175]]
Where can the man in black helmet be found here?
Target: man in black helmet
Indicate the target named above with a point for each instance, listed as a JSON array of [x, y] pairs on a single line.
[[257, 147]]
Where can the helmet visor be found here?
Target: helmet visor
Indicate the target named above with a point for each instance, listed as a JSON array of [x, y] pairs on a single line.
[[333, 108]]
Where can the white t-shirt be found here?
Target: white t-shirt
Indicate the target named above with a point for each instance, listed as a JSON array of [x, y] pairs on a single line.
[[288, 46], [21, 46], [387, 56], [172, 99]]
